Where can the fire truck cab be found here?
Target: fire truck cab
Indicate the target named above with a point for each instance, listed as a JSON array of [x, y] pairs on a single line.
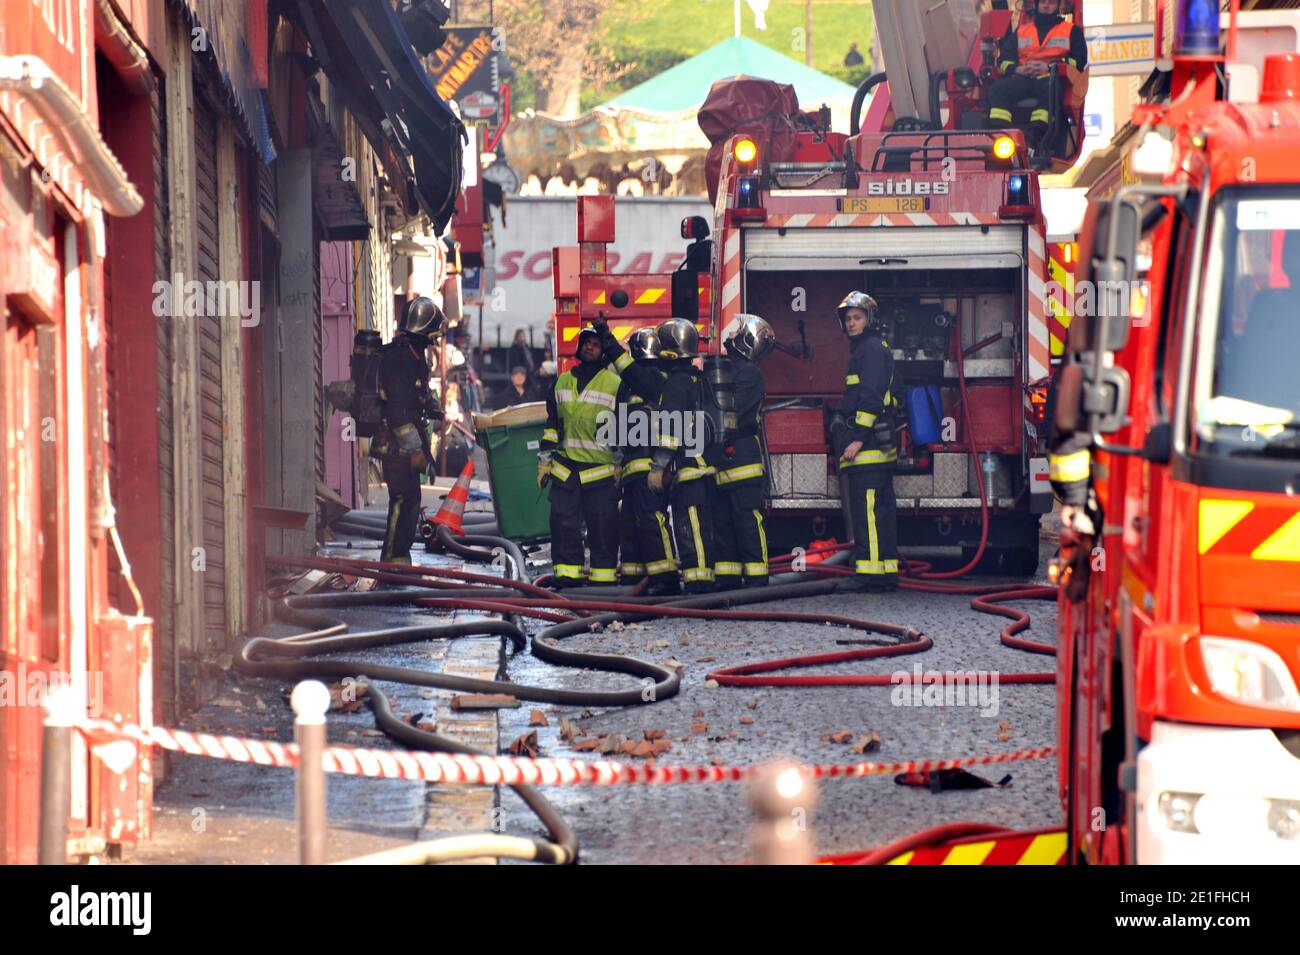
[[1179, 672]]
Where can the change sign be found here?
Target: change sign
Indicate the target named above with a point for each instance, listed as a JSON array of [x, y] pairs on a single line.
[[1120, 49]]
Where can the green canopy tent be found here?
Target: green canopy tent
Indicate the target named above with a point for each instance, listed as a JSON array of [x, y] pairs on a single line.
[[684, 86]]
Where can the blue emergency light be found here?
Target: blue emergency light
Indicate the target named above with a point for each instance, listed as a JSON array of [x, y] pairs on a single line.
[[1198, 29], [747, 193], [1017, 189]]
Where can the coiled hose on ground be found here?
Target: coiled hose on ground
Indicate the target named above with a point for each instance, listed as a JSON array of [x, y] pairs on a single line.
[[513, 596]]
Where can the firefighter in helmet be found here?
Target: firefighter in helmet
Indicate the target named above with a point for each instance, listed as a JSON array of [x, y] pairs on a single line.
[[678, 465], [580, 466], [863, 436], [739, 538], [645, 538], [1027, 56], [408, 404]]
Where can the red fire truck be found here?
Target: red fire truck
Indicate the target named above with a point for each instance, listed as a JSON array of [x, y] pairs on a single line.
[[944, 227], [1178, 672]]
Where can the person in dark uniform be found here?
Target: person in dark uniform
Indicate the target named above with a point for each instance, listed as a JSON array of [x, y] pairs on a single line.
[[1069, 467], [645, 535], [408, 405], [740, 486], [1026, 57], [862, 434], [684, 475], [580, 467]]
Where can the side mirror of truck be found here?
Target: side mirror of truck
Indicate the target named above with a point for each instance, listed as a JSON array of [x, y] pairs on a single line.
[[1114, 269], [695, 228], [1077, 397], [1158, 447], [1108, 399]]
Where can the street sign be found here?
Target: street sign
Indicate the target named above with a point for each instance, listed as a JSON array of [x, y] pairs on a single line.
[[1121, 49], [463, 64], [480, 104]]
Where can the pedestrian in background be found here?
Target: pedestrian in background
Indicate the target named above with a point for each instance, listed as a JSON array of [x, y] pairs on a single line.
[[521, 355], [521, 389], [545, 377]]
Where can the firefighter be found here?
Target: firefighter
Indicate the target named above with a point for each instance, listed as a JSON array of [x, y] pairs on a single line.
[[408, 404], [678, 465], [1069, 467], [645, 538], [739, 538], [580, 467], [862, 433], [1026, 57]]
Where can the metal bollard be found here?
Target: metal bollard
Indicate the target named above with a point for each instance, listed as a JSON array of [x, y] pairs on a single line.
[[61, 712], [310, 701], [783, 797]]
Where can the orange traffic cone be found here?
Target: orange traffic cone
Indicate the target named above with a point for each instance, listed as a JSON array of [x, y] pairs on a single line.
[[453, 505]]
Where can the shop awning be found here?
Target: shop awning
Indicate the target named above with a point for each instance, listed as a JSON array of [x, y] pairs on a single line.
[[364, 43]]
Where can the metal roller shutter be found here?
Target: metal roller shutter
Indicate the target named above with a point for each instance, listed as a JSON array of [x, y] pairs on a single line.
[[823, 245], [211, 412]]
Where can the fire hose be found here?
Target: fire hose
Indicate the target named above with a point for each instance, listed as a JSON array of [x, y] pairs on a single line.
[[442, 588]]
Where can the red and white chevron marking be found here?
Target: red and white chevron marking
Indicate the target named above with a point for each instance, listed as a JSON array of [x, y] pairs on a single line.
[[729, 304], [824, 220], [1040, 355], [496, 770]]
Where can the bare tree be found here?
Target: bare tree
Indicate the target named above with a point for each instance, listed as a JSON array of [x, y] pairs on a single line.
[[558, 43]]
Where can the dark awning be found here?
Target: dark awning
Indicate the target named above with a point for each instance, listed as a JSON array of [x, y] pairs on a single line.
[[364, 40]]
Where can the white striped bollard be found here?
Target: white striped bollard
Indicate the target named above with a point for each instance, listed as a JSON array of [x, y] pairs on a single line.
[[310, 701]]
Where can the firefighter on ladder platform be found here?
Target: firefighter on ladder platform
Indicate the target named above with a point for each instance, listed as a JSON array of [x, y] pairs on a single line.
[[580, 467], [1026, 58], [740, 541], [863, 436], [684, 475], [645, 538], [403, 447]]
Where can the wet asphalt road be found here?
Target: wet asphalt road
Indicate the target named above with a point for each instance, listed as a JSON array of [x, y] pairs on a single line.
[[707, 823]]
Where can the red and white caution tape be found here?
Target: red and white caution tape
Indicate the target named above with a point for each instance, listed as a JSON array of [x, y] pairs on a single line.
[[497, 770]]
